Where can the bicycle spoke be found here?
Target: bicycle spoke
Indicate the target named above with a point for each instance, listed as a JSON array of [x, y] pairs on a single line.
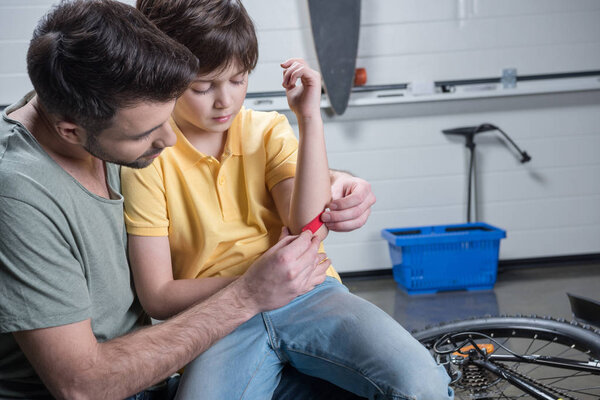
[[561, 378], [543, 347], [556, 355], [530, 344], [513, 337], [579, 391]]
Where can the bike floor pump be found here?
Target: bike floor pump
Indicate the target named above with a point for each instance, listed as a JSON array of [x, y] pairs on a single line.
[[469, 133]]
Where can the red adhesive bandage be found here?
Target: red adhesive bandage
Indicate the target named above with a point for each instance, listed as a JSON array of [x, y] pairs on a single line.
[[315, 224]]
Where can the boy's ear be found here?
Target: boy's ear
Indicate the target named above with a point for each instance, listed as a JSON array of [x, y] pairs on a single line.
[[70, 132]]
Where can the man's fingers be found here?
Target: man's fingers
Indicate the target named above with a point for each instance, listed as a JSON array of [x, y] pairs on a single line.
[[303, 263], [349, 225], [296, 245], [321, 257], [322, 265], [348, 208], [299, 247], [284, 233], [314, 273], [360, 194]]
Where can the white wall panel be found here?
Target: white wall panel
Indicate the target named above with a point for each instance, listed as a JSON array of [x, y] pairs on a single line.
[[15, 60], [13, 87], [17, 22], [480, 63], [419, 174], [410, 11], [519, 7], [550, 207], [478, 34], [292, 43], [277, 14], [411, 40]]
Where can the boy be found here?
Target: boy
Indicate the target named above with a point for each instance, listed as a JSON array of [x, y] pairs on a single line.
[[206, 208]]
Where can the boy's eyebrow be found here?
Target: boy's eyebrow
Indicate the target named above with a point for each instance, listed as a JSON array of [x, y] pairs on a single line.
[[209, 80]]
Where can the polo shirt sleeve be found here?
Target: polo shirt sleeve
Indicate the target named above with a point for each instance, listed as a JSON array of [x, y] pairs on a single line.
[[145, 204], [42, 283], [281, 148]]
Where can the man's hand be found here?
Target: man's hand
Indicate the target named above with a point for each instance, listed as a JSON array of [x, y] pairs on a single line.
[[287, 270], [351, 203]]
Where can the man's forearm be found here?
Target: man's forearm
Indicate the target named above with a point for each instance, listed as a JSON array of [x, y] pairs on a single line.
[[128, 364], [161, 350], [74, 365]]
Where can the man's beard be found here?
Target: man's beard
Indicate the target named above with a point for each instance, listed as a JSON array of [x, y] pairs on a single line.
[[93, 147]]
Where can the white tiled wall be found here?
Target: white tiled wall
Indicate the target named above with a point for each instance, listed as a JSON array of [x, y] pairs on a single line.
[[549, 207]]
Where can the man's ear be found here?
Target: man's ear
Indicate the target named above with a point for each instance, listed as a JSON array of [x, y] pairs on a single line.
[[71, 132]]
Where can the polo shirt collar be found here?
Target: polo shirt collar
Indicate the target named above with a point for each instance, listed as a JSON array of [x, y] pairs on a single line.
[[190, 155]]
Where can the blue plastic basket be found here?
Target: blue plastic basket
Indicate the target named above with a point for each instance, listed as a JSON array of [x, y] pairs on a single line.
[[445, 257]]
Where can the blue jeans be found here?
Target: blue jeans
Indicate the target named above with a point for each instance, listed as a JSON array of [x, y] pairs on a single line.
[[293, 386], [165, 391], [327, 333]]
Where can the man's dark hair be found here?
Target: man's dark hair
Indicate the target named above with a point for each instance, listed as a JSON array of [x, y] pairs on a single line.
[[218, 32], [89, 58]]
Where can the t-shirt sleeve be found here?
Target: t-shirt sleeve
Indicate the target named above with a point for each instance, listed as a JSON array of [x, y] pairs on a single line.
[[282, 151], [144, 201], [42, 284]]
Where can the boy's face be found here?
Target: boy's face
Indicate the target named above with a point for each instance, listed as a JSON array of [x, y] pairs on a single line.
[[212, 101]]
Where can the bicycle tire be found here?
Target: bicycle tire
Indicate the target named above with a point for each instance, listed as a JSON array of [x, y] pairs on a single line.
[[569, 339]]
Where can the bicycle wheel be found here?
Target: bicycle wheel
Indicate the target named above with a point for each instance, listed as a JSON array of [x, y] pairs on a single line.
[[505, 340]]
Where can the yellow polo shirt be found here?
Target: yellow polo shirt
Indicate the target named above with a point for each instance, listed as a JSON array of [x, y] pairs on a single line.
[[219, 215]]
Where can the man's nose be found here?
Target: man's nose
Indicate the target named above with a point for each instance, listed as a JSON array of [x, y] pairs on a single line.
[[166, 137]]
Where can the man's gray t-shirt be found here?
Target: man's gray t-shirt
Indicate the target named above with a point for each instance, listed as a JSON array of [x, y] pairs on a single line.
[[63, 256]]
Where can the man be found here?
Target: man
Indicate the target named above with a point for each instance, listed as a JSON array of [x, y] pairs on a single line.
[[70, 325]]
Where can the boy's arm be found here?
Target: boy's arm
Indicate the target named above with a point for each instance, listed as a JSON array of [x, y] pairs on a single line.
[[74, 365], [160, 294], [311, 185]]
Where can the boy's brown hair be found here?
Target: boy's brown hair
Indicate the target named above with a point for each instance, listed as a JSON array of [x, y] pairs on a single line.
[[217, 32]]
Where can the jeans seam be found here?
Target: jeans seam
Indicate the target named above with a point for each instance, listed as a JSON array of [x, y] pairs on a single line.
[[394, 393], [273, 338], [253, 375]]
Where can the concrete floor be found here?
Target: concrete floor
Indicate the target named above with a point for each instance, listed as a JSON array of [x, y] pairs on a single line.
[[540, 291]]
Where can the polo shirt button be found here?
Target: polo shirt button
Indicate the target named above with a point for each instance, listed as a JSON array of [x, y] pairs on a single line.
[[221, 180]]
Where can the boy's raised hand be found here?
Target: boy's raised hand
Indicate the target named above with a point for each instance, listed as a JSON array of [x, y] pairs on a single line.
[[304, 100]]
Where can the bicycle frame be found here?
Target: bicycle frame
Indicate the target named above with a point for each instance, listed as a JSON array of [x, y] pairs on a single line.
[[525, 386], [479, 357], [592, 367]]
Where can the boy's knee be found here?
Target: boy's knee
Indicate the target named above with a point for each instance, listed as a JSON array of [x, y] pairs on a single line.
[[429, 385]]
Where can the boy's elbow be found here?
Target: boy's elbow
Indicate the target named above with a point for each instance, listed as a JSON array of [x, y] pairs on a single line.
[[157, 312], [154, 306]]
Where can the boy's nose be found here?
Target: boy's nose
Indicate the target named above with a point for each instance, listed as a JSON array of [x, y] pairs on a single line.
[[223, 99]]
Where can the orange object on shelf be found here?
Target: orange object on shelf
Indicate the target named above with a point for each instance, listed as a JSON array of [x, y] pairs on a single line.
[[360, 76]]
